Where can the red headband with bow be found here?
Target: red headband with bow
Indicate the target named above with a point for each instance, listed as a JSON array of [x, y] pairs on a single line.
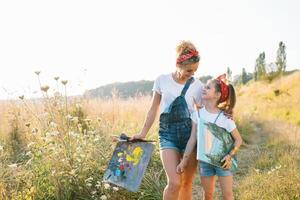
[[187, 56], [223, 87]]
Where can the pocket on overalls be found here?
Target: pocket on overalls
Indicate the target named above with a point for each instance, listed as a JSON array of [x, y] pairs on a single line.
[[163, 127], [163, 122]]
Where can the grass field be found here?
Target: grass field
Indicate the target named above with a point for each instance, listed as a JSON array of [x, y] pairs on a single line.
[[58, 147]]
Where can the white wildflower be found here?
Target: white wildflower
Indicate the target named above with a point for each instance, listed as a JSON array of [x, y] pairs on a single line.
[[13, 166], [1, 148], [278, 167], [115, 188], [69, 117], [73, 134], [52, 124], [257, 170], [98, 184], [73, 172], [103, 197], [89, 179], [272, 169], [106, 186], [89, 184], [53, 172]]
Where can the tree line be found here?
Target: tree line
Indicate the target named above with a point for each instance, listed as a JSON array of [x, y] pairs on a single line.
[[262, 71]]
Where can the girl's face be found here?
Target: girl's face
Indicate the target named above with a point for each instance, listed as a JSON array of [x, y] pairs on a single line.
[[187, 71], [209, 91]]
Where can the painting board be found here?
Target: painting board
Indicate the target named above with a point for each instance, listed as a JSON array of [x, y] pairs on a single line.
[[128, 164], [213, 144]]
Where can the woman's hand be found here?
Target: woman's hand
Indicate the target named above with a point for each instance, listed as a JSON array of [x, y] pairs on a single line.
[[226, 162], [137, 136], [181, 166]]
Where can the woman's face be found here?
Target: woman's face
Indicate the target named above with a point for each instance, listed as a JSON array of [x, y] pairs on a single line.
[[209, 91], [187, 71]]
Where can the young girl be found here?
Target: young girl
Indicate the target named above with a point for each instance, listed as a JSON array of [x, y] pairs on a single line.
[[212, 127]]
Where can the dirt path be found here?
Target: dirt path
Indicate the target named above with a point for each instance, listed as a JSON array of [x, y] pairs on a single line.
[[247, 155]]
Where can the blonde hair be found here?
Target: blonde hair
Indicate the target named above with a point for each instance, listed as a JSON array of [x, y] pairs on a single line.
[[183, 47]]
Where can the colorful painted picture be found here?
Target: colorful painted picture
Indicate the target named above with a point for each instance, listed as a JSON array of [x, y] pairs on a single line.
[[214, 143], [128, 164]]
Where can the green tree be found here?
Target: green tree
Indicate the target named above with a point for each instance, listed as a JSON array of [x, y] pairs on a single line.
[[229, 74], [244, 76], [281, 58], [255, 74], [260, 67]]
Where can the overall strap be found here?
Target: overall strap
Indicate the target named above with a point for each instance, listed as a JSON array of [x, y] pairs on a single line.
[[217, 117], [186, 86]]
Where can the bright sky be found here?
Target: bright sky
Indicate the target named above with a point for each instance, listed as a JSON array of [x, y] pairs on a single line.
[[92, 43]]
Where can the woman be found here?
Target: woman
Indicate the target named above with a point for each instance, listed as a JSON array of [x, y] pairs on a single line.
[[174, 96]]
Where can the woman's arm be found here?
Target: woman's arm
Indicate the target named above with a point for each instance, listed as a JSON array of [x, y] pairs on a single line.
[[150, 116]]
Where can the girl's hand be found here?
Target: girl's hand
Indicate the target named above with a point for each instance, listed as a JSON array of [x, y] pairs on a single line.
[[226, 162], [181, 166]]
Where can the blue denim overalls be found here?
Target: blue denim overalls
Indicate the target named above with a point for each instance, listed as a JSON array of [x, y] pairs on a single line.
[[175, 124]]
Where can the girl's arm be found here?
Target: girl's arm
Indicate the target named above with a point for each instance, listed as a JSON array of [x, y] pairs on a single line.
[[189, 149], [150, 116], [237, 143]]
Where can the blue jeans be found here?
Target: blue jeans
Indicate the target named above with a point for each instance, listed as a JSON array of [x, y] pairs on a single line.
[[174, 135], [207, 169]]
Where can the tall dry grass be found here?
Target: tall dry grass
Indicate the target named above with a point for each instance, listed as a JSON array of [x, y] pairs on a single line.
[[273, 163], [58, 147]]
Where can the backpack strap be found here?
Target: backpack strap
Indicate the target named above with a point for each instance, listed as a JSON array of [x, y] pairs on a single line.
[[186, 86]]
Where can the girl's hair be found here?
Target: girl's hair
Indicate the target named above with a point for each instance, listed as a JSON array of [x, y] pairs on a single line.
[[183, 48], [227, 105]]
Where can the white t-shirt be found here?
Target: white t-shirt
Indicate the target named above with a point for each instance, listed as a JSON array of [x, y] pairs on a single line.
[[222, 120], [169, 89]]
